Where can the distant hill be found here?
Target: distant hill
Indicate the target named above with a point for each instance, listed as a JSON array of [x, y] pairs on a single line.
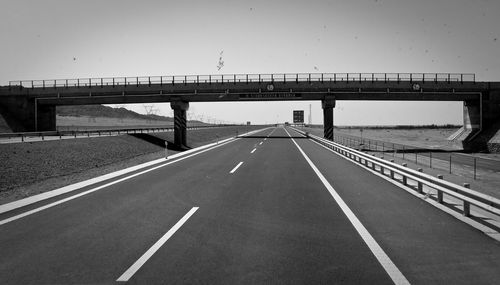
[[107, 112]]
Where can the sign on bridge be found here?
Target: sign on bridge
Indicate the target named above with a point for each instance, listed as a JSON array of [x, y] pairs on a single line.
[[298, 116]]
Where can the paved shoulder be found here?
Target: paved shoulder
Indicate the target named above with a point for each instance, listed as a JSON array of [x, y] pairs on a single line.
[[428, 245]]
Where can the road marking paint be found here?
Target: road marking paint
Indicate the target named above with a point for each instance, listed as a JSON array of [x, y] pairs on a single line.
[[140, 262], [70, 188], [486, 230], [391, 269], [253, 150], [260, 143], [236, 167], [7, 207], [2, 222], [270, 133]]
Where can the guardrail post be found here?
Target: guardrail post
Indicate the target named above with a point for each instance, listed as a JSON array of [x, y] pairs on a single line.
[[404, 180], [419, 184], [392, 171], [466, 204], [440, 193]]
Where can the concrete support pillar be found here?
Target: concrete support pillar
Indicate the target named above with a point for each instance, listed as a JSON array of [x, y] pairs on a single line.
[[328, 104], [180, 123]]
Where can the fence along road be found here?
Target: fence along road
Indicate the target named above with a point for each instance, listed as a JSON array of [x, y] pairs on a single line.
[[387, 147], [273, 219]]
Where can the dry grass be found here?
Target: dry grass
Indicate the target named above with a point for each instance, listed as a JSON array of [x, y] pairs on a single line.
[[425, 138], [86, 123]]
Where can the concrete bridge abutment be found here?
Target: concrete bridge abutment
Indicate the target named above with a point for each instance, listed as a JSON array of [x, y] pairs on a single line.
[[24, 114], [481, 123], [180, 123]]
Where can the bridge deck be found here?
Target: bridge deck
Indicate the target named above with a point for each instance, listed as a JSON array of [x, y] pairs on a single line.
[[252, 87]]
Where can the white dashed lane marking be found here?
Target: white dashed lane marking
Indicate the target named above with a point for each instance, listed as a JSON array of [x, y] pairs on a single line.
[[145, 257], [236, 167]]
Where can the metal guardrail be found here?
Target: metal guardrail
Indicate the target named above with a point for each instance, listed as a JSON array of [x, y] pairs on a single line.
[[246, 78], [387, 168], [415, 153], [100, 132]]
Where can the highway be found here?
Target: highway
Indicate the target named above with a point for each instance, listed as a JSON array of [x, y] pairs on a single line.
[[272, 207]]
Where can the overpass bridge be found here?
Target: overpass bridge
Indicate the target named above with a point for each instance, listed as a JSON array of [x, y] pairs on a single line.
[[30, 105]]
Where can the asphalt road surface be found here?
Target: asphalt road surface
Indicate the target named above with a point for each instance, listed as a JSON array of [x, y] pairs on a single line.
[[270, 208]]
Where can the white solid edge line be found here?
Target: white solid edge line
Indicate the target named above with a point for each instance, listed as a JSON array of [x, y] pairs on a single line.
[[66, 189], [144, 258], [486, 230], [27, 213], [253, 150], [236, 167], [391, 269]]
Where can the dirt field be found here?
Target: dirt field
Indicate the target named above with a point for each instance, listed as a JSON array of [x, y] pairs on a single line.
[[31, 168], [425, 138], [87, 123], [486, 181]]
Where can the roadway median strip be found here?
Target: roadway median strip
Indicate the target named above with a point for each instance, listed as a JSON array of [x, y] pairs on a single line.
[[391, 269], [145, 257], [236, 167]]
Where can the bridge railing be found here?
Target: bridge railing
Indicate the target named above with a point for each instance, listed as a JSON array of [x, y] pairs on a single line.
[[440, 187], [246, 78]]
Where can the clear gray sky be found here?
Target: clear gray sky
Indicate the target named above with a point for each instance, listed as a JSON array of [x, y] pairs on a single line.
[[70, 39]]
